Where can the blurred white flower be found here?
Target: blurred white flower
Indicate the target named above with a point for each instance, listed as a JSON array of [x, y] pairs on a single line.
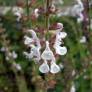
[[14, 55], [59, 26], [35, 47], [17, 66], [85, 77], [52, 8], [73, 88], [61, 35], [73, 72], [3, 49], [36, 12], [18, 11], [83, 39], [28, 40], [7, 58], [80, 18], [61, 66]]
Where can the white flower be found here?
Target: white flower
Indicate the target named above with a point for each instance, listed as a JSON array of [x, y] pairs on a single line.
[[59, 26], [3, 49], [61, 35], [54, 68], [36, 12], [35, 51], [17, 66], [83, 39], [28, 55], [28, 40], [44, 68], [80, 18], [33, 33], [73, 88], [14, 55], [18, 16], [7, 58], [61, 66], [35, 47], [52, 8], [61, 50], [73, 72], [18, 11], [35, 38], [47, 53]]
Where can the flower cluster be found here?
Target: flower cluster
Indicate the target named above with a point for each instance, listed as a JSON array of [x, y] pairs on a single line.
[[48, 57], [12, 54]]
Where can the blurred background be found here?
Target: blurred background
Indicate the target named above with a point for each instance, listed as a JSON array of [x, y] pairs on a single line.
[[19, 74]]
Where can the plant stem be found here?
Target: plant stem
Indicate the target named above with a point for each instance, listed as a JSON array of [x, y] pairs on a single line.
[[27, 8], [47, 19]]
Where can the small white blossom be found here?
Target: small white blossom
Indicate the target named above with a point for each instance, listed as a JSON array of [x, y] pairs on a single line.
[[3, 49], [61, 50], [61, 66], [52, 8], [83, 39], [17, 66], [59, 26], [36, 12], [14, 55], [85, 77], [47, 53], [18, 11], [73, 72], [7, 58], [35, 47], [61, 35], [54, 68], [80, 18], [28, 40], [44, 68], [73, 89]]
